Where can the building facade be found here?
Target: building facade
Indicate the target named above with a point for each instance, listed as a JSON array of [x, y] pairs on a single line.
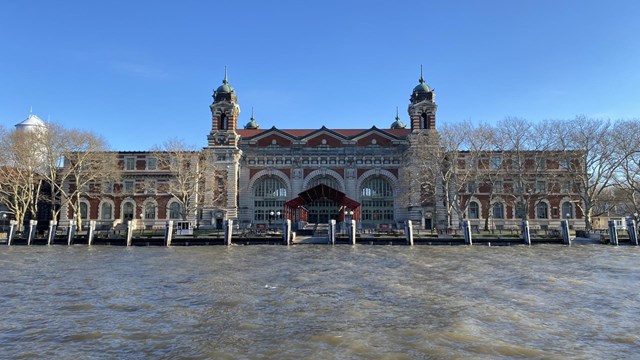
[[259, 177]]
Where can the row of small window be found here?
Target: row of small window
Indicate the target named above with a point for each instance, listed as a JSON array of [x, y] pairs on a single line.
[[130, 163], [274, 187], [540, 187], [498, 210], [496, 162], [128, 211], [377, 214]]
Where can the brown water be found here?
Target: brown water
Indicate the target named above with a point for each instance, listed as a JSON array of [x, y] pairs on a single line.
[[320, 302]]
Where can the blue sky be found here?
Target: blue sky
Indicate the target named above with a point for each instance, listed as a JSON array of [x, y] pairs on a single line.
[[141, 72]]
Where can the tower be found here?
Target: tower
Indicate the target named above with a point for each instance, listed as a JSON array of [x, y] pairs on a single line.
[[224, 115], [422, 109]]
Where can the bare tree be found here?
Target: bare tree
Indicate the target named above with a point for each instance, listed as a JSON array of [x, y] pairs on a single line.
[[628, 179], [192, 173]]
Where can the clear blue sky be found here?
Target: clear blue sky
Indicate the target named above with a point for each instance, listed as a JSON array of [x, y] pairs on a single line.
[[140, 72]]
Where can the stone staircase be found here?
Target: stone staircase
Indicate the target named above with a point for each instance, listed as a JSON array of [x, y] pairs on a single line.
[[320, 235]]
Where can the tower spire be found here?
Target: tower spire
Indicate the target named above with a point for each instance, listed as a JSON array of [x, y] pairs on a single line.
[[225, 81], [397, 114], [421, 78]]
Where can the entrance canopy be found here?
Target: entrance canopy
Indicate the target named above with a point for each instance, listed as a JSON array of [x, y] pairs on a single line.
[[295, 210]]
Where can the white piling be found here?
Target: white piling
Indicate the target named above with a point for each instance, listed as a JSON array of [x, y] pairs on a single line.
[[228, 231], [564, 227], [53, 225], [32, 231], [332, 232], [633, 231], [12, 231], [129, 232], [168, 232], [613, 233], [92, 232], [466, 229], [408, 231], [286, 232], [352, 232], [72, 232], [526, 235]]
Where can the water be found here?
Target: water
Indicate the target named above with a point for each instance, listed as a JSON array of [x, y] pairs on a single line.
[[319, 302]]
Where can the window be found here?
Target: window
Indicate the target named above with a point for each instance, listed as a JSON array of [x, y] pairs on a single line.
[[542, 211], [474, 210], [84, 211], [151, 163], [541, 186], [129, 186], [130, 163], [496, 162], [498, 211], [107, 187], [520, 211], [221, 185], [471, 187], [106, 211], [150, 211], [150, 187], [541, 162], [127, 211], [567, 210], [565, 187], [516, 162], [564, 164], [269, 194], [377, 201], [330, 181], [175, 211], [498, 187]]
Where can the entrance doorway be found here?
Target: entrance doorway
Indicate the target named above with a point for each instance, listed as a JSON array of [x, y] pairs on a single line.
[[322, 210]]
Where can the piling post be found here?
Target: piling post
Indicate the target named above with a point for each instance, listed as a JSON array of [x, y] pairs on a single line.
[[352, 232], [228, 231], [53, 226], [129, 232], [633, 231], [408, 232], [11, 232], [613, 233], [332, 232], [72, 232], [286, 232], [526, 235], [466, 230], [92, 232], [564, 227], [168, 232], [32, 231]]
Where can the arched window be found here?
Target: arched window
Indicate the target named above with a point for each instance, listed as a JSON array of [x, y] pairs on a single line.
[[106, 211], [330, 181], [269, 194], [223, 121], [175, 210], [474, 210], [424, 119], [150, 211], [567, 210], [127, 211], [498, 211], [542, 210], [84, 211], [376, 201]]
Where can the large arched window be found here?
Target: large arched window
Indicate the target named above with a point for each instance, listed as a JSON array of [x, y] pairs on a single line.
[[269, 195], [376, 201], [567, 210], [106, 211], [128, 211], [175, 210], [542, 210], [150, 210], [474, 210]]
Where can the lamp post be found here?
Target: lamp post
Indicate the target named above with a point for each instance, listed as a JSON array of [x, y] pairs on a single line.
[[278, 216], [141, 221], [271, 213], [4, 222]]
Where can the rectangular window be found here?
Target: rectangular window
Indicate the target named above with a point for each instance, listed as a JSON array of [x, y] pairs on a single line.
[[151, 163], [150, 187], [498, 211], [498, 187], [516, 162], [496, 162], [107, 187], [220, 184], [471, 187], [519, 210], [130, 163], [541, 186], [129, 186], [565, 187], [541, 163]]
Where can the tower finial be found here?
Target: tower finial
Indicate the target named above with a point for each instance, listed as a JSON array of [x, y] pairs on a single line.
[[421, 78], [252, 113], [225, 81], [31, 110], [397, 114]]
